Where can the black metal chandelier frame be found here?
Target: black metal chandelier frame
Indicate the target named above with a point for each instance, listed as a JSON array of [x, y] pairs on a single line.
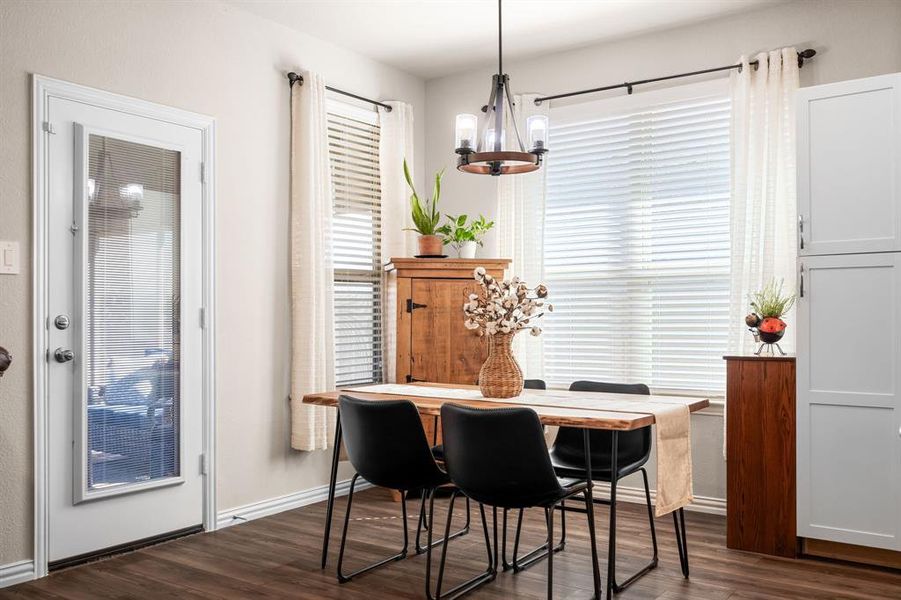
[[496, 160]]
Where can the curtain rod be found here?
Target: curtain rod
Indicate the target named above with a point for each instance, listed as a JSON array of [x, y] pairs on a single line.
[[295, 78], [802, 56]]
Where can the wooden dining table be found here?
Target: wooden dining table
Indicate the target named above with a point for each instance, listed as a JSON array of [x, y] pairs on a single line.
[[584, 410]]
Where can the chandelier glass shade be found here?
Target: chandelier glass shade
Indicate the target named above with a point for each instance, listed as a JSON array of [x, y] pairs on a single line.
[[494, 146]]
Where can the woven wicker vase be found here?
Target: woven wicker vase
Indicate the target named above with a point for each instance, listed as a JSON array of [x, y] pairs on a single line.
[[500, 376]]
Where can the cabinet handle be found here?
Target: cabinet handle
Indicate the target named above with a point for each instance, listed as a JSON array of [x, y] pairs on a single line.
[[801, 230], [801, 291]]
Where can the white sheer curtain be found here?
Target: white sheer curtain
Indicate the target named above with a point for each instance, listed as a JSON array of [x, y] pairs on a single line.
[[395, 144], [764, 216], [520, 232], [312, 275]]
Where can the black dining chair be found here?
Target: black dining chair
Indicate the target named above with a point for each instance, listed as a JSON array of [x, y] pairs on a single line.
[[387, 446], [438, 452], [629, 450], [499, 458]]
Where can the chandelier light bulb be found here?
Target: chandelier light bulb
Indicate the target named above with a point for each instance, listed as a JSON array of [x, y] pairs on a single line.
[[466, 131]]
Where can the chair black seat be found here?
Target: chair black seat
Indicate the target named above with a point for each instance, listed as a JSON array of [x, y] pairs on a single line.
[[576, 468]]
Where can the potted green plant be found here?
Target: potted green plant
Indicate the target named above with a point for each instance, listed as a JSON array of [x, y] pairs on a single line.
[[770, 304], [426, 216], [465, 237]]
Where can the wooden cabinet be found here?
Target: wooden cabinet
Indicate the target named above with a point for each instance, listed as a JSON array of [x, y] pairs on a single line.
[[760, 455], [849, 166], [432, 343]]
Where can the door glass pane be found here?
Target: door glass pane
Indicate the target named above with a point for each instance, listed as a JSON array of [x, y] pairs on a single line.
[[132, 313]]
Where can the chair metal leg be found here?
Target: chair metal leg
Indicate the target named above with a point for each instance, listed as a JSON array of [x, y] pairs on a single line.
[[342, 578], [535, 555], [618, 587], [330, 503], [681, 540], [549, 515], [488, 575], [422, 524]]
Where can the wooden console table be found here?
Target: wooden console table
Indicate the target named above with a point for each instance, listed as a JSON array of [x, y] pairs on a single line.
[[760, 455]]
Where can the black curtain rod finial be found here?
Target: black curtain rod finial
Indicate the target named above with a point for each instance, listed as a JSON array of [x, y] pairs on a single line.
[[294, 78]]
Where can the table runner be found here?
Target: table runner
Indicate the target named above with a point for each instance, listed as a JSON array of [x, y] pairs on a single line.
[[671, 415]]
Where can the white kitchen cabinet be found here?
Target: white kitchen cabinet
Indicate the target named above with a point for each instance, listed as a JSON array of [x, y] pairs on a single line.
[[849, 399], [849, 166]]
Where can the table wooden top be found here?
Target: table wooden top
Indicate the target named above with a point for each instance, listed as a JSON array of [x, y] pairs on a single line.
[[554, 407]]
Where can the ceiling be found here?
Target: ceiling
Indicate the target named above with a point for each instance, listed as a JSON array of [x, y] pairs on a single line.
[[432, 38]]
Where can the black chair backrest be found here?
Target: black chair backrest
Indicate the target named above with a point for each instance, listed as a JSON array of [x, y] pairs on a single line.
[[386, 444], [534, 384], [633, 446], [498, 456]]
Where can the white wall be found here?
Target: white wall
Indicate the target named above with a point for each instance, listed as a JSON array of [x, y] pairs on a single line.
[[209, 58], [853, 39]]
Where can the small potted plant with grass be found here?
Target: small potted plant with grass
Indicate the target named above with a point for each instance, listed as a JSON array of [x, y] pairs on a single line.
[[426, 216], [465, 237], [770, 304]]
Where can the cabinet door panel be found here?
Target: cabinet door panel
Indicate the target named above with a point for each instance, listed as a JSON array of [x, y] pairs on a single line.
[[849, 166], [442, 349], [849, 404]]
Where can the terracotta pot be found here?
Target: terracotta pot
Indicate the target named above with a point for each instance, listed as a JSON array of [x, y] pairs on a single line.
[[430, 245], [500, 376]]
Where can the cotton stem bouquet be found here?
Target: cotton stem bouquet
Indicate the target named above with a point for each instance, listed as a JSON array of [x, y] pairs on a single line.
[[505, 307]]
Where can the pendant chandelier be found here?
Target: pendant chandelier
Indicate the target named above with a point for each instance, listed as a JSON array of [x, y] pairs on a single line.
[[495, 147]]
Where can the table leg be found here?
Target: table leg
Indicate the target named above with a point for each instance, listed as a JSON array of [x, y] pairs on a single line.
[[330, 503], [589, 507]]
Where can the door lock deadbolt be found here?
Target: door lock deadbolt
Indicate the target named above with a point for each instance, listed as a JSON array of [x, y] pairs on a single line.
[[63, 355], [61, 321]]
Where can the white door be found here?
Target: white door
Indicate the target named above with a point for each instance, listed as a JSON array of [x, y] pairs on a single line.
[[849, 166], [849, 399], [124, 295]]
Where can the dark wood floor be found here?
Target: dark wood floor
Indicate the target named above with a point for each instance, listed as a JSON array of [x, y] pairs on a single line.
[[278, 557]]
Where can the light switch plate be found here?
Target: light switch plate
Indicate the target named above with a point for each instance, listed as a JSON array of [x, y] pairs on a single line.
[[9, 258]]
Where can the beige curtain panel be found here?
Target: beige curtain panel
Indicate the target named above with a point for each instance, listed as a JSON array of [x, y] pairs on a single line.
[[312, 276]]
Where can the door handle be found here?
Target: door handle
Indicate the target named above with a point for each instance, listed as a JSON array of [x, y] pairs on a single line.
[[6, 359], [63, 355]]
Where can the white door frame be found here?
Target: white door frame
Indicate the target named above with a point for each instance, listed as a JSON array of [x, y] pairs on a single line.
[[43, 88]]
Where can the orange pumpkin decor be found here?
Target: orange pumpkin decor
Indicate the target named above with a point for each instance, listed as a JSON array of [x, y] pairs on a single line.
[[772, 325]]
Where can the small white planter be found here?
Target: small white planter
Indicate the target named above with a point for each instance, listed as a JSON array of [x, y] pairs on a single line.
[[468, 250]]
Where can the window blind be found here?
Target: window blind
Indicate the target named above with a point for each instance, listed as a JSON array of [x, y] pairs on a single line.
[[132, 312], [356, 237], [636, 249]]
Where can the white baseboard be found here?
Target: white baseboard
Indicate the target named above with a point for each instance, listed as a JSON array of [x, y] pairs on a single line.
[[271, 506], [17, 572], [702, 504]]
